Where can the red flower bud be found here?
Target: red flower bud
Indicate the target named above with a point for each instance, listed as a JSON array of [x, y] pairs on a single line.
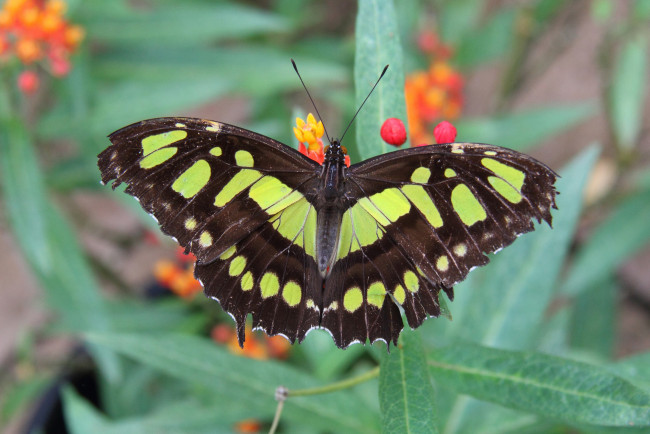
[[444, 132], [393, 132], [28, 82]]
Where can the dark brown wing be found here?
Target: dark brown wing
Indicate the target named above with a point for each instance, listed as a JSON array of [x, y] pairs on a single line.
[[421, 219], [208, 184]]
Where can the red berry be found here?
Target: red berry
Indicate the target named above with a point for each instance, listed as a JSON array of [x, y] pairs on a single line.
[[444, 132], [393, 132]]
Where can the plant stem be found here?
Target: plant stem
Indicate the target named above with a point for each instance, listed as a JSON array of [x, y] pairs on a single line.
[[350, 382]]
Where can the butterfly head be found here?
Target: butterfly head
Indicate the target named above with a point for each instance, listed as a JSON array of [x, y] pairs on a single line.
[[335, 152]]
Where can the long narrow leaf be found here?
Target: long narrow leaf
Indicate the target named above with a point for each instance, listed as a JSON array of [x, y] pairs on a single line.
[[180, 24], [628, 89], [523, 130], [251, 382], [377, 45], [615, 240], [406, 394], [48, 244], [24, 195], [541, 384]]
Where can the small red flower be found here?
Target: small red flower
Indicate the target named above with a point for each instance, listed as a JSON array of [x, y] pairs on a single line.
[[28, 82], [444, 132], [393, 132]]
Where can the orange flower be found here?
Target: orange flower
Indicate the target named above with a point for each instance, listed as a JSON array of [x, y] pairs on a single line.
[[35, 31], [248, 426], [311, 133], [177, 279], [434, 94], [256, 345]]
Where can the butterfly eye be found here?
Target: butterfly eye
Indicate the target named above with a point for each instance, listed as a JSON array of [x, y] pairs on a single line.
[[345, 150], [327, 148]]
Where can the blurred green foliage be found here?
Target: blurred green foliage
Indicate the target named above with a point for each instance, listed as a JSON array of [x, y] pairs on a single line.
[[514, 359]]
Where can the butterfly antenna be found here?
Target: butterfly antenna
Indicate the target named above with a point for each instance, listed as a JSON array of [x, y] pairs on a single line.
[[311, 99], [364, 101]]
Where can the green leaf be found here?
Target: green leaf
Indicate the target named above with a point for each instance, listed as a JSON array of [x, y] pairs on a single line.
[[541, 384], [593, 322], [487, 42], [456, 17], [327, 361], [641, 10], [259, 70], [523, 129], [132, 101], [188, 417], [636, 369], [17, 397], [186, 24], [628, 89], [24, 193], [377, 45], [48, 243], [615, 240], [406, 394], [250, 382], [153, 316]]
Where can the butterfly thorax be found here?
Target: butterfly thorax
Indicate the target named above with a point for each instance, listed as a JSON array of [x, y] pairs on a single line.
[[330, 205]]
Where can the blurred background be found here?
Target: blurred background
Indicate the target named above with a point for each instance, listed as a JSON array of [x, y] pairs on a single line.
[[548, 77]]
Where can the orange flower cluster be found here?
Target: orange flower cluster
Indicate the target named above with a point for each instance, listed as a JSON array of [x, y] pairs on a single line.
[[310, 134], [34, 30], [248, 426], [256, 345], [433, 94], [178, 275]]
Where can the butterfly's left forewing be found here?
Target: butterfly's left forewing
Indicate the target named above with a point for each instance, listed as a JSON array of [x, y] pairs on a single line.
[[208, 184]]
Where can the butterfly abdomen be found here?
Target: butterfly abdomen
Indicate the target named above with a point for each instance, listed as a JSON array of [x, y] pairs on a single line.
[[330, 207]]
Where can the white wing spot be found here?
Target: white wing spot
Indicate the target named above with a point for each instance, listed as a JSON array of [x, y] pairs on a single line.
[[215, 127], [460, 249], [205, 240]]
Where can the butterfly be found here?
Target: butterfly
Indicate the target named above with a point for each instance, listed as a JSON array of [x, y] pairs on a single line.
[[299, 245]]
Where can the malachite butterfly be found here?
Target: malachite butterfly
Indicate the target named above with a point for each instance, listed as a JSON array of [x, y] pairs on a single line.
[[299, 245]]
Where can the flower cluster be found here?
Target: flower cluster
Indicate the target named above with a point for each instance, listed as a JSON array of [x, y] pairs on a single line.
[[178, 276], [36, 31], [310, 134], [434, 94], [256, 345]]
